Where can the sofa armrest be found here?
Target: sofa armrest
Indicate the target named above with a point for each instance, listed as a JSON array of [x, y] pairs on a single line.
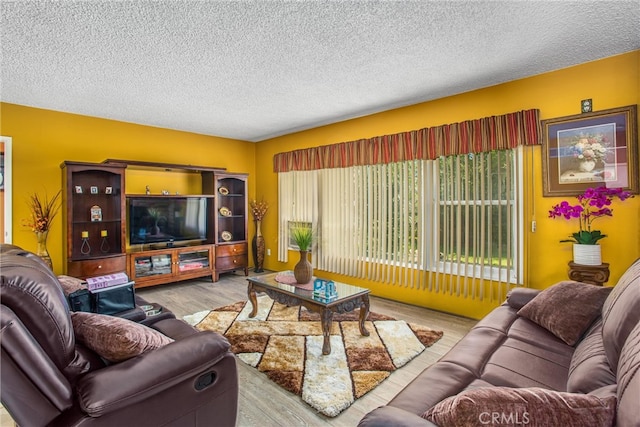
[[135, 314], [519, 297], [387, 416], [134, 380]]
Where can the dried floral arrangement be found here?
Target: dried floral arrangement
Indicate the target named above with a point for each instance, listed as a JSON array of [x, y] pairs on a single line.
[[42, 212], [259, 209]]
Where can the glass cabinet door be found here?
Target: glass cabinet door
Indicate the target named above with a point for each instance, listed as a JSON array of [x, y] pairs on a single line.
[[232, 210], [193, 260], [152, 265]]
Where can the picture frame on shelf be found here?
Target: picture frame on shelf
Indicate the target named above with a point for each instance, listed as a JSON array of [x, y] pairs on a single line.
[[94, 189], [590, 150], [108, 190], [78, 189], [96, 213]]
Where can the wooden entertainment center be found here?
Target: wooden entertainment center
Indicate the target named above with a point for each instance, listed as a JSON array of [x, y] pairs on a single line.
[[99, 236]]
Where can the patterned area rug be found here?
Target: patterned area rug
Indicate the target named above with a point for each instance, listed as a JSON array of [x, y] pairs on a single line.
[[286, 344]]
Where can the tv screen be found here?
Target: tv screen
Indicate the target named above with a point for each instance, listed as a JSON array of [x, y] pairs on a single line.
[[166, 219]]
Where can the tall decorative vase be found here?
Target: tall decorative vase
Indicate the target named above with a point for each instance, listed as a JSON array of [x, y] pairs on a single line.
[[587, 254], [303, 270], [254, 252], [258, 249], [41, 248]]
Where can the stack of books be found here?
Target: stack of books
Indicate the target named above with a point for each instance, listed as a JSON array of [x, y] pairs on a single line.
[[108, 281]]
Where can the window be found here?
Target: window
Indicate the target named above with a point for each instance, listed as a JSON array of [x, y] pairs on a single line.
[[297, 202], [458, 215], [290, 227], [478, 215]]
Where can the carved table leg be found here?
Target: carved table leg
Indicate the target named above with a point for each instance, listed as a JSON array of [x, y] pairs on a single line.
[[252, 299], [364, 313], [326, 318]]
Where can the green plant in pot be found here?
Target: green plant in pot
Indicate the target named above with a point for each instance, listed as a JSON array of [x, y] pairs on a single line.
[[302, 235]]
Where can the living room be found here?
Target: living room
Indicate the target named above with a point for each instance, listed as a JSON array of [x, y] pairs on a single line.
[[42, 139], [611, 82]]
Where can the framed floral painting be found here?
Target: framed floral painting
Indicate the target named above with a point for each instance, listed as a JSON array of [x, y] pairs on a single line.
[[590, 150]]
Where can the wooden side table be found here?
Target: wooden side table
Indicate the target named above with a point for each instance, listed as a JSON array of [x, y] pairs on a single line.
[[593, 274]]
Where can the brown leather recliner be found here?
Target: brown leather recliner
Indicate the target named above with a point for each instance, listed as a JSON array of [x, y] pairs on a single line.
[[48, 378]]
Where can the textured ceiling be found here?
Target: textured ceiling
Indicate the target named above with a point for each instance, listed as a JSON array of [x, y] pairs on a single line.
[[252, 70]]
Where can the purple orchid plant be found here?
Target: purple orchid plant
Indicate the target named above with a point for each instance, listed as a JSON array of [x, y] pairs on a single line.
[[593, 204]]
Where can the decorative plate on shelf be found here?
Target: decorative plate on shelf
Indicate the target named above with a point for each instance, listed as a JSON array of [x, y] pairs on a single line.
[[226, 236], [224, 211], [223, 191]]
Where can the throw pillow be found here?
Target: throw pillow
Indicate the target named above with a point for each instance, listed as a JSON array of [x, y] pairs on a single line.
[[566, 309], [522, 406], [113, 338]]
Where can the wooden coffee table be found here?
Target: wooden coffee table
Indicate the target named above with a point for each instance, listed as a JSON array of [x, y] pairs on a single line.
[[349, 298]]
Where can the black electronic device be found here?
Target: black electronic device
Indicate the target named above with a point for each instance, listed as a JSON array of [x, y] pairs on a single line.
[[166, 219]]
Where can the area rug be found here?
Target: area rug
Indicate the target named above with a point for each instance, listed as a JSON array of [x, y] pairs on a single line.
[[286, 344]]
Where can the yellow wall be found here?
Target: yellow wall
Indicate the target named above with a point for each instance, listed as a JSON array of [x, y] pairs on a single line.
[[42, 139], [612, 82]]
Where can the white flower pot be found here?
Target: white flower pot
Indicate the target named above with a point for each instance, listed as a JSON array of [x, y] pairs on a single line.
[[587, 254]]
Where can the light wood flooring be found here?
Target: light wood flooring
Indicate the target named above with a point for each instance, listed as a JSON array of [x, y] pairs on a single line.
[[262, 402]]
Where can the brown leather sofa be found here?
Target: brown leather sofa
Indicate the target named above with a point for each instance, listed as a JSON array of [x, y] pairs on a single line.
[[50, 378], [507, 351]]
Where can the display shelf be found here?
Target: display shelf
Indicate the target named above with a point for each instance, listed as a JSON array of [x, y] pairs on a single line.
[[221, 188], [231, 230], [93, 218]]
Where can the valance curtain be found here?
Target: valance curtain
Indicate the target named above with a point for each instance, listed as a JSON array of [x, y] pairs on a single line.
[[472, 136]]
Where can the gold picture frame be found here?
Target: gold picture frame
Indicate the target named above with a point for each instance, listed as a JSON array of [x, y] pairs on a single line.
[[590, 150]]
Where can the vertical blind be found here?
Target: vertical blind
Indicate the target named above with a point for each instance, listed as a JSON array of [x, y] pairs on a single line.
[[297, 202], [480, 226], [451, 225]]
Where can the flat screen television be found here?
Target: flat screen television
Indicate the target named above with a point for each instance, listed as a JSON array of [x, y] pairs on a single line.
[[166, 219]]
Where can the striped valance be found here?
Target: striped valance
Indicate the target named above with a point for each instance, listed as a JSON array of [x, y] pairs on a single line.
[[471, 136]]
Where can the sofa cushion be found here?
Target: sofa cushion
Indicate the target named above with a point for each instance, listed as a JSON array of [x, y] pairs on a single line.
[[526, 331], [589, 369], [621, 313], [522, 364], [566, 309], [114, 338], [435, 383], [628, 375], [522, 406]]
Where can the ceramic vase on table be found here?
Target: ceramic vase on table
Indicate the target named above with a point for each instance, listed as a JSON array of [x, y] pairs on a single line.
[[587, 254], [303, 270], [41, 248], [258, 249]]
